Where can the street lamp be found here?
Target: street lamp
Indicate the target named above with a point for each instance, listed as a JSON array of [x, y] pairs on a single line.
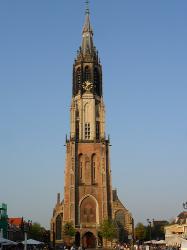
[[149, 223], [25, 226], [185, 205]]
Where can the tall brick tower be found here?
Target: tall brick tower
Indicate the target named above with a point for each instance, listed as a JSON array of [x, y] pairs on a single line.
[[88, 195]]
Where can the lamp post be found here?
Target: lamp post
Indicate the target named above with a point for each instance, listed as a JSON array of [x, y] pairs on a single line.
[[25, 226], [149, 223], [54, 236], [132, 235]]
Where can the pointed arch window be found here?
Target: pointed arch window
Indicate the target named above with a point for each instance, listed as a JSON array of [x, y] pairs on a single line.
[[77, 130], [78, 76], [93, 167], [96, 80], [88, 211], [81, 167], [87, 74], [58, 227], [97, 130], [120, 217], [96, 76]]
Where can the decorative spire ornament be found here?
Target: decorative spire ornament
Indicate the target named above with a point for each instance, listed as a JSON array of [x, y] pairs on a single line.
[[87, 7]]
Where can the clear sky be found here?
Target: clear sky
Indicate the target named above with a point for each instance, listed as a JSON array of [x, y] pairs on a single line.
[[143, 50]]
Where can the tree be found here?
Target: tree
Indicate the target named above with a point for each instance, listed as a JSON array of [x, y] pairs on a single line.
[[140, 232], [37, 232], [158, 229], [68, 233], [68, 229], [108, 230]]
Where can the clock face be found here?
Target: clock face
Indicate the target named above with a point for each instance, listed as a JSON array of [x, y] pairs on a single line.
[[87, 86]]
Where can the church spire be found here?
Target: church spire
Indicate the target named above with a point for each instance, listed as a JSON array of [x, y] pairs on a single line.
[[87, 67], [87, 33]]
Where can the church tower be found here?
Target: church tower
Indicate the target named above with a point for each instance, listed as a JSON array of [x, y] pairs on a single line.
[[88, 195]]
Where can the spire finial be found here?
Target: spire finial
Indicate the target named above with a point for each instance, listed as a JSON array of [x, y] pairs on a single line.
[[87, 7]]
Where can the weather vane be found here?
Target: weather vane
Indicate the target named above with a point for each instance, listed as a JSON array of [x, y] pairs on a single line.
[[87, 7]]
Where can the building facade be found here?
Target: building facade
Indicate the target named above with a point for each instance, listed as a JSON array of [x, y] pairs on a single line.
[[176, 233], [3, 220], [15, 230], [88, 195]]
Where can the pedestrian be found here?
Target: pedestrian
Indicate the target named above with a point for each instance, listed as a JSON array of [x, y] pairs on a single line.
[[72, 247]]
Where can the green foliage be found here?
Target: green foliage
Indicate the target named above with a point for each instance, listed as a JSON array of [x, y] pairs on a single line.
[[140, 232], [155, 232], [68, 229], [158, 230], [148, 233], [37, 232], [108, 230]]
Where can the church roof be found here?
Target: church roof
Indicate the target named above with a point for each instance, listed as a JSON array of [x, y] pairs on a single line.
[[15, 221]]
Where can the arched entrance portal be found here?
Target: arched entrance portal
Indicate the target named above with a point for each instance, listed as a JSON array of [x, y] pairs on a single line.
[[89, 240]]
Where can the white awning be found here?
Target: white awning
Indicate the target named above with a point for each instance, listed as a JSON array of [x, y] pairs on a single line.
[[4, 242], [33, 242]]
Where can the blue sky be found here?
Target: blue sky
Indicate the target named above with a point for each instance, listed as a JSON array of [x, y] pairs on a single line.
[[142, 46]]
